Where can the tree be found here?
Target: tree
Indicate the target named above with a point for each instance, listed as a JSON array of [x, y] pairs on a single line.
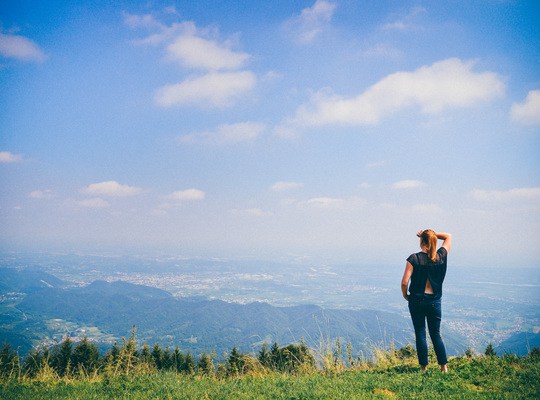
[[145, 356], [294, 356], [33, 363], [10, 362], [61, 358], [490, 351], [206, 365], [275, 357], [114, 352], [234, 363], [178, 359], [85, 356], [189, 364], [157, 356], [264, 356], [166, 359]]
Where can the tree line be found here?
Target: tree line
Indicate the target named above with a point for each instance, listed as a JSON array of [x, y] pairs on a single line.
[[70, 359], [83, 359]]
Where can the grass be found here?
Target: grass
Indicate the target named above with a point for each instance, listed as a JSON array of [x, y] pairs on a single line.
[[504, 377]]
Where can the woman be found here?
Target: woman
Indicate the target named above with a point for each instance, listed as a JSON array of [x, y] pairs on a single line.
[[426, 271]]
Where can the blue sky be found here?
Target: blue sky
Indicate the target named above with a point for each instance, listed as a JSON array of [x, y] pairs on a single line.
[[325, 131]]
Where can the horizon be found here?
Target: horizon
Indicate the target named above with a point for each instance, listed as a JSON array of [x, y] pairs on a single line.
[[324, 131]]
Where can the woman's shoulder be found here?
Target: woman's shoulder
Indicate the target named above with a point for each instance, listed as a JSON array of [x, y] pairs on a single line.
[[413, 258]]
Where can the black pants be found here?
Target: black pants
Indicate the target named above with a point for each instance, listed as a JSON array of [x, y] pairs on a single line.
[[424, 308]]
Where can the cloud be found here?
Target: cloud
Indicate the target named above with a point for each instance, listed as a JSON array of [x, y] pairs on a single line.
[[283, 186], [383, 50], [111, 188], [444, 84], [7, 157], [142, 21], [41, 194], [311, 21], [406, 23], [252, 212], [187, 195], [427, 208], [408, 184], [197, 52], [20, 48], [162, 33], [376, 164], [227, 134], [532, 193], [286, 131], [223, 80], [95, 202], [326, 202], [219, 89], [527, 112]]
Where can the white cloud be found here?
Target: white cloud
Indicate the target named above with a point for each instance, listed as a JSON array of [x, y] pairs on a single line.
[[527, 112], [197, 52], [283, 186], [326, 202], [427, 208], [95, 202], [286, 131], [252, 212], [311, 21], [194, 48], [532, 193], [227, 134], [20, 47], [142, 21], [218, 89], [444, 84], [187, 195], [408, 184], [407, 22], [111, 188], [376, 164], [7, 157], [41, 194], [165, 34]]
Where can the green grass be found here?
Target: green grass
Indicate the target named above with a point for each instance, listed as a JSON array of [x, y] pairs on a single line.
[[478, 378]]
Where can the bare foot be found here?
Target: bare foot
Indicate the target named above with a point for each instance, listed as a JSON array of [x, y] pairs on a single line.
[[423, 368], [444, 368]]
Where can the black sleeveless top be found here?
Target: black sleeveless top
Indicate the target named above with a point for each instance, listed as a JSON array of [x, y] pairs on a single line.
[[424, 269]]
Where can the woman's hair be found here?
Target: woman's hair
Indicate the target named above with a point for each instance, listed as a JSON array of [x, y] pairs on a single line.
[[429, 240]]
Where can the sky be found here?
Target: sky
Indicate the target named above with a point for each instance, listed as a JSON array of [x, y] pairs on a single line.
[[319, 131]]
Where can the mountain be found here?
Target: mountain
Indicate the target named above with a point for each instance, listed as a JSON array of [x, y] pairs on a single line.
[[203, 325], [108, 311], [520, 343], [25, 280]]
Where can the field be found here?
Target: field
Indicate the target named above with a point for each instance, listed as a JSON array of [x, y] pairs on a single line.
[[506, 377]]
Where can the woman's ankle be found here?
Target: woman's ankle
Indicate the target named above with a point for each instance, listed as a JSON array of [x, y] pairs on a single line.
[[444, 368]]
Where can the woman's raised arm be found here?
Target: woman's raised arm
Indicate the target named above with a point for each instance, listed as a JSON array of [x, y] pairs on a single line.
[[446, 238]]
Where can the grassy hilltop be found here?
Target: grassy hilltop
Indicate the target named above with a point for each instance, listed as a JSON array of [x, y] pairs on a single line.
[[392, 375]]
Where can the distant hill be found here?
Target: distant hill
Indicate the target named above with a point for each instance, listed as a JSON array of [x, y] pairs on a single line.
[[202, 325], [520, 343], [25, 280], [45, 310]]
